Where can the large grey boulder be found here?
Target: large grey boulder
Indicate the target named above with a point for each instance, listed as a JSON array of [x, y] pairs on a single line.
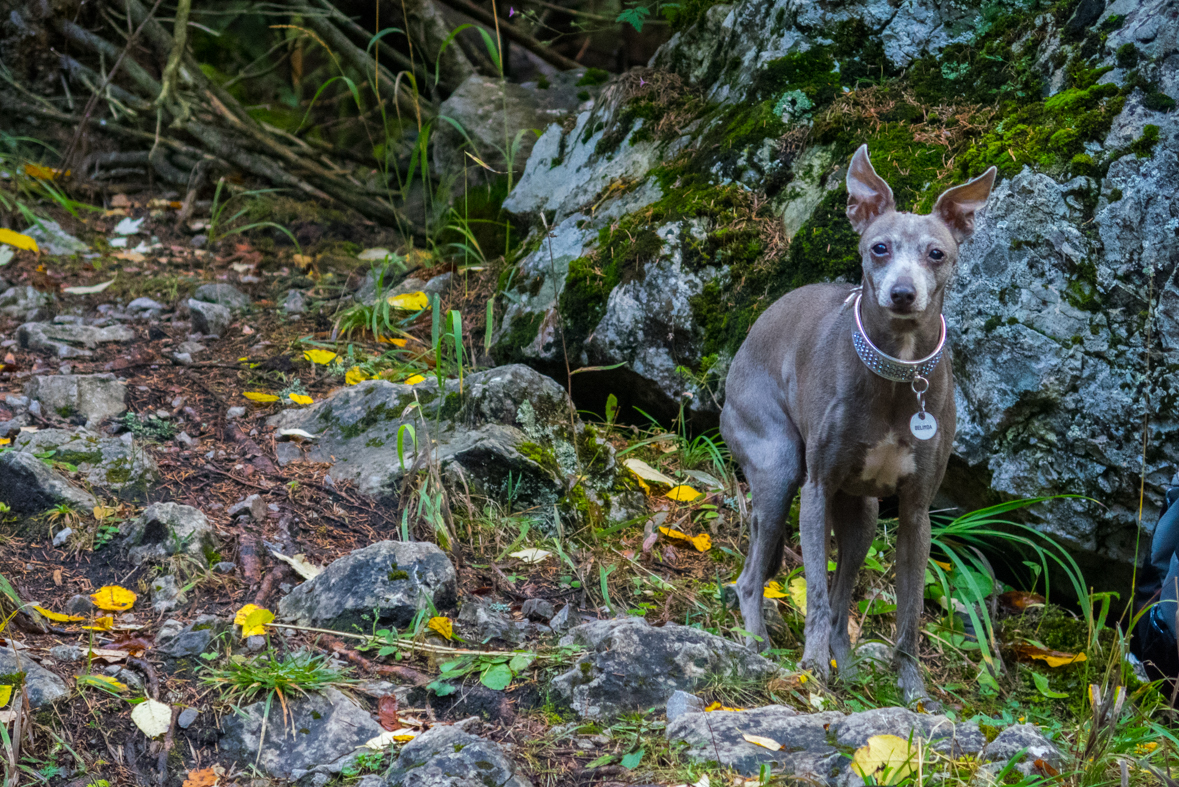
[[492, 112], [321, 729], [95, 397], [223, 294], [449, 757], [211, 319], [28, 486], [117, 464], [630, 665], [506, 433], [1068, 284], [70, 340], [815, 746], [391, 579], [43, 687], [165, 529]]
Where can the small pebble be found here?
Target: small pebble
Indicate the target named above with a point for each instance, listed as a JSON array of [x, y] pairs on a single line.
[[186, 718], [256, 642], [224, 567], [235, 412], [62, 536], [199, 241]]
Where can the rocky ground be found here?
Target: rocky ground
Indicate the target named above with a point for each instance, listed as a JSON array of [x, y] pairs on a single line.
[[462, 581]]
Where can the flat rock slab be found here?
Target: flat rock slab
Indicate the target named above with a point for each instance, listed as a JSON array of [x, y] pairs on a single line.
[[321, 729], [449, 757], [631, 665], [814, 745], [117, 464], [508, 427], [24, 302], [43, 686], [29, 486], [395, 579], [71, 340], [96, 397]]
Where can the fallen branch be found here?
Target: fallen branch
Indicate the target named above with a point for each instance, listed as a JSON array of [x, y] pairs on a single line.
[[538, 48]]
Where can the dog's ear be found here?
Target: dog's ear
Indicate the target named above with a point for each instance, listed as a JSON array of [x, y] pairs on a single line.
[[957, 206], [868, 195]]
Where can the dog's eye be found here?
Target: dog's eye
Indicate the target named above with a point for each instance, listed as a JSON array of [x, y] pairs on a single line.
[[937, 255], [880, 249]]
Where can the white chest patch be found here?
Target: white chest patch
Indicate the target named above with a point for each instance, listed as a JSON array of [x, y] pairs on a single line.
[[888, 462]]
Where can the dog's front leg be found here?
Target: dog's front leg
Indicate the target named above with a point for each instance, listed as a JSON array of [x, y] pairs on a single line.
[[814, 525], [912, 557]]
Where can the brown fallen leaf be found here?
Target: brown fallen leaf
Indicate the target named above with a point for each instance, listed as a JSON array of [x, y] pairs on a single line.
[[1015, 601], [205, 777], [387, 712]]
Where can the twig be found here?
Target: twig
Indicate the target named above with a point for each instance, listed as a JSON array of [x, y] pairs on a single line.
[[538, 48]]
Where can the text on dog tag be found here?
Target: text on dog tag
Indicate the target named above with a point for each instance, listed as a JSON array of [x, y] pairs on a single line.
[[923, 426]]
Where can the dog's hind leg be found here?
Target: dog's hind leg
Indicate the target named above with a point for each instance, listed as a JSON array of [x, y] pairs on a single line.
[[854, 520], [774, 470]]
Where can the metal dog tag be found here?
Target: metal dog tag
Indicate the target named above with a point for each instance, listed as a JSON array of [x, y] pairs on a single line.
[[923, 425]]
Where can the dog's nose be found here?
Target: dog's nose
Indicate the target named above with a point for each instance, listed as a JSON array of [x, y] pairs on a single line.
[[903, 295]]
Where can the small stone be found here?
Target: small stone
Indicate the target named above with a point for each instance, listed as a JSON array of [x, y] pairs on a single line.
[[234, 412], [186, 718], [256, 642], [224, 295], [79, 604], [253, 505], [62, 536], [295, 302], [67, 653], [184, 439], [225, 567], [199, 241], [184, 359], [166, 594], [144, 305], [561, 621], [538, 609], [209, 318]]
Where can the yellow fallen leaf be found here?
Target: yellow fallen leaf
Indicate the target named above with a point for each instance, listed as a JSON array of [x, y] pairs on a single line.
[[253, 619], [717, 706], [5, 441], [945, 566], [43, 173], [767, 743], [774, 590], [355, 376], [103, 512], [18, 240], [410, 301], [798, 593], [442, 625], [102, 682], [5, 694], [58, 617], [404, 736], [113, 598], [414, 380], [104, 623], [1053, 658], [702, 542], [319, 356], [258, 396], [886, 758], [301, 399], [684, 494], [303, 260], [393, 341]]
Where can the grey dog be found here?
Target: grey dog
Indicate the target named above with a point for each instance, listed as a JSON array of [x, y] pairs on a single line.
[[846, 392]]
